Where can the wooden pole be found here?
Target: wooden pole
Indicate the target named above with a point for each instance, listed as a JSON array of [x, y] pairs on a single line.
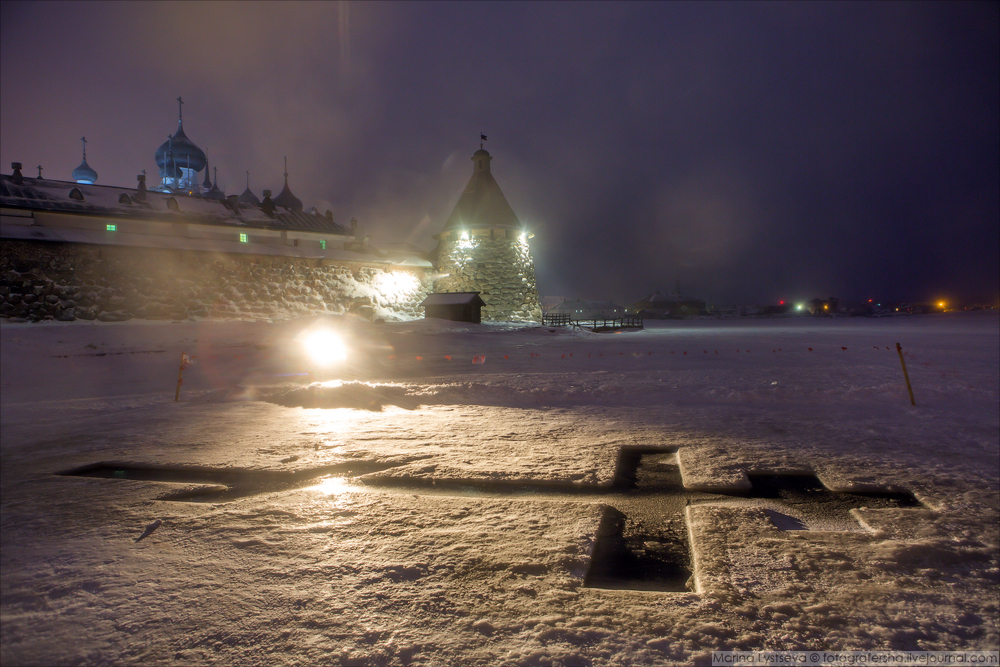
[[180, 371], [906, 375]]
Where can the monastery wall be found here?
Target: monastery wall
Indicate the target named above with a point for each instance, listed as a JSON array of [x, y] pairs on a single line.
[[73, 281], [501, 269]]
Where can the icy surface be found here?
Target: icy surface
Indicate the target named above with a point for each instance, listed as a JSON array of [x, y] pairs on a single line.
[[342, 572]]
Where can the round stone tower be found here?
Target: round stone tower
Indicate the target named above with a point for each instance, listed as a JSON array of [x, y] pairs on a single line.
[[484, 248]]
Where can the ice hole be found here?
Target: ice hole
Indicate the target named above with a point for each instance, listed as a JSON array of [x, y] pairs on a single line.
[[219, 484], [637, 556]]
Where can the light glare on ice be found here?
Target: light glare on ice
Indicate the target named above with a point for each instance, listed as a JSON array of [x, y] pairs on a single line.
[[330, 486]]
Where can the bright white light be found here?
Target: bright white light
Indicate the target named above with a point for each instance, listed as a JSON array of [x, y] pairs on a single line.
[[331, 486], [397, 283], [465, 236], [324, 347]]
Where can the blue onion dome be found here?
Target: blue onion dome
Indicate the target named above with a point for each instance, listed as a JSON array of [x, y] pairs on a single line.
[[84, 173], [186, 154]]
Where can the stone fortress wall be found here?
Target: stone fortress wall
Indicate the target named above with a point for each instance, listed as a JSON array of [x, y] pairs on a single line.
[[497, 265], [73, 281]]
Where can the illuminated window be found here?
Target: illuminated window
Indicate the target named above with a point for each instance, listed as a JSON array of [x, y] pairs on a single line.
[[322, 244], [243, 238], [112, 228]]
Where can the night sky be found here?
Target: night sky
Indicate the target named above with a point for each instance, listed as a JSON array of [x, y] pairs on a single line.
[[749, 152]]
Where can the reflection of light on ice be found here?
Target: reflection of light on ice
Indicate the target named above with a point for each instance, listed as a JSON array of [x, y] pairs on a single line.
[[331, 486]]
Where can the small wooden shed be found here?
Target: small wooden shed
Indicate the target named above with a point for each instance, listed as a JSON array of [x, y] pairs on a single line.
[[455, 306]]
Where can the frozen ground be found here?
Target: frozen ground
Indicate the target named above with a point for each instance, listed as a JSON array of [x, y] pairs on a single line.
[[409, 535]]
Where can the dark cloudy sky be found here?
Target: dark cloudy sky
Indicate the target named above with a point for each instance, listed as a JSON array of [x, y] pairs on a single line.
[[751, 151]]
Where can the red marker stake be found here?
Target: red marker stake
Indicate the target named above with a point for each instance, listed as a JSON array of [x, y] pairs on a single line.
[[180, 379]]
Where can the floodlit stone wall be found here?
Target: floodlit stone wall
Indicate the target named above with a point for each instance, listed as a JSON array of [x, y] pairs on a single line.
[[501, 269], [64, 281]]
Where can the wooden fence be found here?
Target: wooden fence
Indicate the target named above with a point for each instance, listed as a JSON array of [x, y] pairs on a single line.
[[610, 324], [556, 320]]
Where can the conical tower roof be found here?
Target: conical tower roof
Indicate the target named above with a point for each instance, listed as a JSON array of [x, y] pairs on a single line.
[[215, 192], [285, 198], [248, 197], [482, 204]]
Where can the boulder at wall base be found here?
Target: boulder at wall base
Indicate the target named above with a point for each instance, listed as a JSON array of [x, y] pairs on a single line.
[[67, 315], [86, 314]]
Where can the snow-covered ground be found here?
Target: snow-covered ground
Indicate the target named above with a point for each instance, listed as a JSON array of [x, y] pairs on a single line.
[[345, 568]]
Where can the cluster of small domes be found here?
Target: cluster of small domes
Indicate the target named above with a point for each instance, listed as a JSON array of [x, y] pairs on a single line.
[[180, 160]]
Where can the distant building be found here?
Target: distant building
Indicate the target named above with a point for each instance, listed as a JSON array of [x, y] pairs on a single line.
[[658, 305], [179, 212], [579, 309], [82, 250], [36, 209], [549, 303]]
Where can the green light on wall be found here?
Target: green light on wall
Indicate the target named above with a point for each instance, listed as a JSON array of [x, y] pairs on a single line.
[[322, 244], [243, 238], [112, 228]]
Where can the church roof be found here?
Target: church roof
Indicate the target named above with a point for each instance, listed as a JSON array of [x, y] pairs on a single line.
[[287, 200], [105, 201], [216, 193], [482, 204], [249, 197]]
